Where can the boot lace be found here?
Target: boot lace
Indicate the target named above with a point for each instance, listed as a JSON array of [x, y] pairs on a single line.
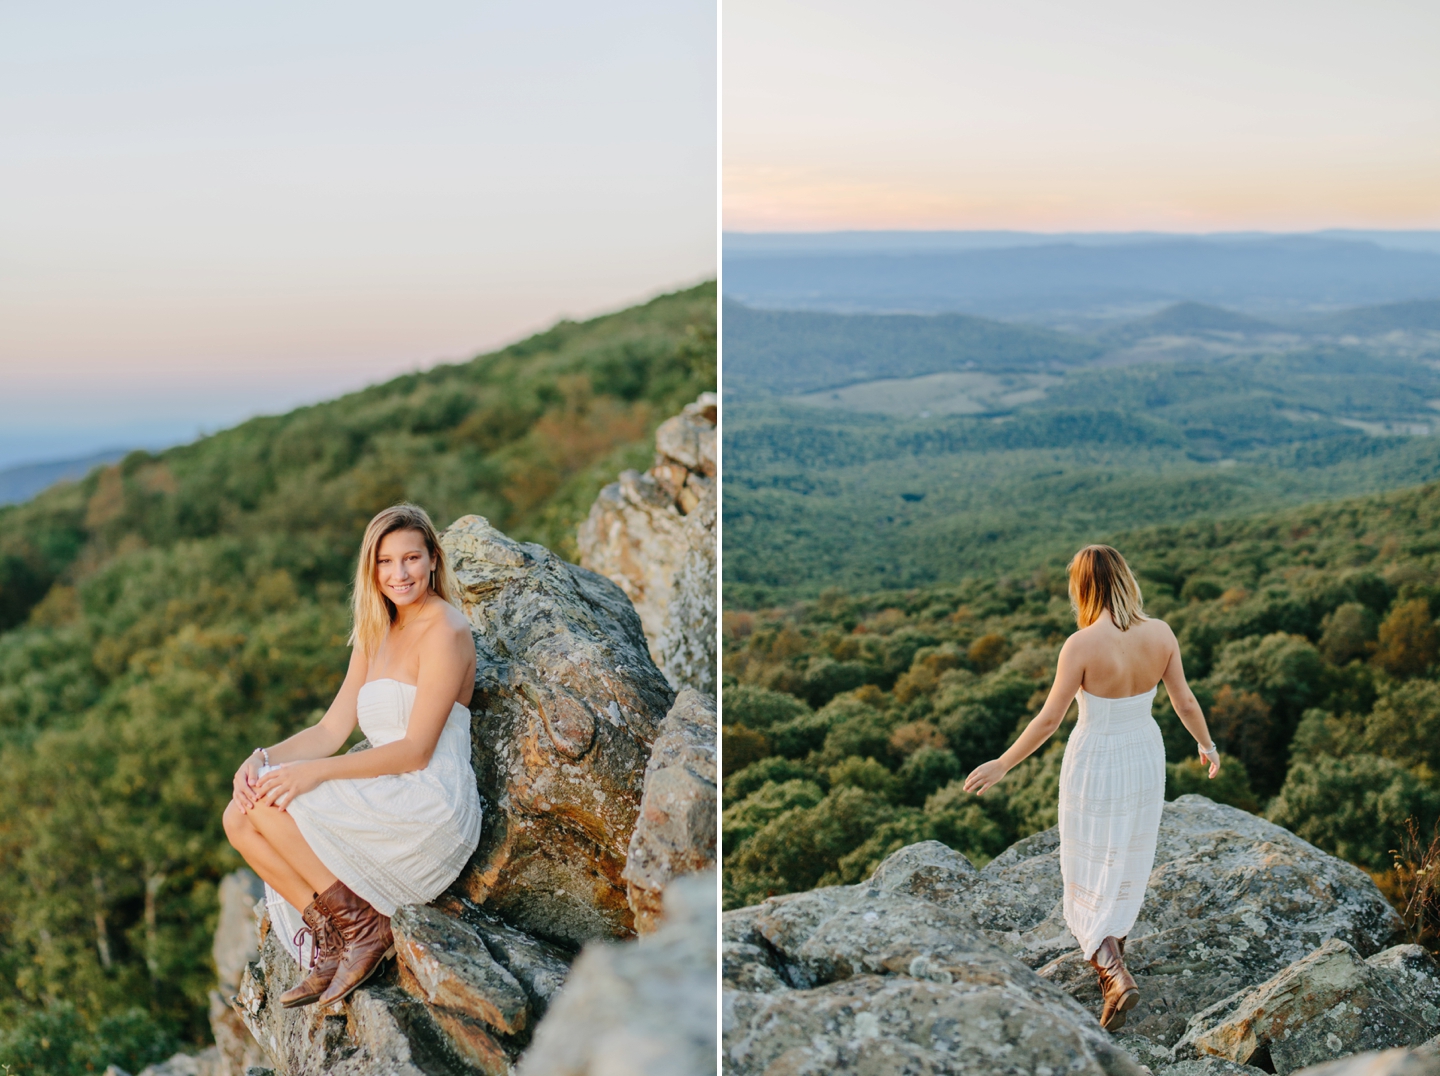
[[299, 942]]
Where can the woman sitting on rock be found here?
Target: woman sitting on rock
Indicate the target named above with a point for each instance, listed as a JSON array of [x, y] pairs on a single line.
[[348, 838], [1112, 780]]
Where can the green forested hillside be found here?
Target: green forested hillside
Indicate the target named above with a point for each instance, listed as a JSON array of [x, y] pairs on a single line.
[[829, 496], [1309, 634], [163, 616]]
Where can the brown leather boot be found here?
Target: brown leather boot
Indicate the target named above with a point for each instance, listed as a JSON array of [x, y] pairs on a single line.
[[325, 951], [367, 938], [1116, 983]]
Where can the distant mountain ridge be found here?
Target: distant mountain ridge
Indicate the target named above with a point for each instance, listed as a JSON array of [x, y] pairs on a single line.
[[22, 482], [1266, 276]]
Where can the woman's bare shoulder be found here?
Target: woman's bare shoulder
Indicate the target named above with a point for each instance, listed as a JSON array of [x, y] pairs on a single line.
[[446, 625], [1157, 629]]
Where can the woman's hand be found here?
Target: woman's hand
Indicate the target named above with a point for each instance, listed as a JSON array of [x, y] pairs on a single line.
[[985, 775], [1211, 756], [281, 785], [246, 778]]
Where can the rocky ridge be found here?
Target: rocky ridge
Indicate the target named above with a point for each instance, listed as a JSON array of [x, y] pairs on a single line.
[[654, 535], [1255, 952]]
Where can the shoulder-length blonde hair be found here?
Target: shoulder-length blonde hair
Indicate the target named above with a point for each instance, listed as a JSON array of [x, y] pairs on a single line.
[[374, 613], [1099, 580]]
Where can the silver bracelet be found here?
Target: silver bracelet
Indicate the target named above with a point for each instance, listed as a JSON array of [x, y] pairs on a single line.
[[264, 755], [1207, 750]]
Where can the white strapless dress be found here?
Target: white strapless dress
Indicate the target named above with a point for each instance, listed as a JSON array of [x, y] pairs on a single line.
[[397, 839], [1112, 790]]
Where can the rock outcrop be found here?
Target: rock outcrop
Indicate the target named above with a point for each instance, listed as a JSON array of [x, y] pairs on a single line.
[[654, 535], [643, 1008], [236, 945], [679, 813], [567, 704], [1422, 1061], [954, 969], [1331, 1002]]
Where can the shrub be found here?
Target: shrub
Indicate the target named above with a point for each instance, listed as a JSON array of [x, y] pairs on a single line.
[[757, 774], [743, 819], [1355, 808], [739, 747], [1408, 639], [925, 772], [1347, 632], [1231, 785], [760, 708]]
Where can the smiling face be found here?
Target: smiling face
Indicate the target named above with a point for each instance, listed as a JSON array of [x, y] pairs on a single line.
[[402, 567]]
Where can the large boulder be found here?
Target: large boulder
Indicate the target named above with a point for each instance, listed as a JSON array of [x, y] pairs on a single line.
[[911, 963], [567, 704], [654, 535], [1329, 1004], [894, 975], [675, 833], [1231, 901], [646, 1007], [1422, 1061], [463, 994]]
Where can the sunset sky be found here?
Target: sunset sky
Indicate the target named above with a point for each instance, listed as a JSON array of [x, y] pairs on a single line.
[[1100, 115], [213, 211]]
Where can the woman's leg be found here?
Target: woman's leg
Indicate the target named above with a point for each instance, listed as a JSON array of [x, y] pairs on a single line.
[[272, 844]]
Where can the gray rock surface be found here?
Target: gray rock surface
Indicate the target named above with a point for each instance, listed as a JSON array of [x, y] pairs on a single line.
[[642, 1008], [1422, 1061], [856, 976], [654, 535], [1231, 901], [894, 975], [236, 944], [567, 705], [1329, 1004], [675, 833]]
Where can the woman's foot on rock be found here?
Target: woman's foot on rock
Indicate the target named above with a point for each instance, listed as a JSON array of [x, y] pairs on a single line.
[[367, 938]]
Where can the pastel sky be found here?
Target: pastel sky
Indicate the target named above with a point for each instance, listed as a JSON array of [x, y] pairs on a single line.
[[209, 211], [1054, 115]]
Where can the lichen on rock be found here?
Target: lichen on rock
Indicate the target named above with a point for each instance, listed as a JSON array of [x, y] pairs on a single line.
[[934, 966], [654, 535], [675, 833]]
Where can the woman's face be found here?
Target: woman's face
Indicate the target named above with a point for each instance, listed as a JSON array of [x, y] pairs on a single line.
[[403, 567]]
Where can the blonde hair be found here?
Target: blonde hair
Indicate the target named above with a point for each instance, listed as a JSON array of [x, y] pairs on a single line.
[[374, 612], [1099, 580]]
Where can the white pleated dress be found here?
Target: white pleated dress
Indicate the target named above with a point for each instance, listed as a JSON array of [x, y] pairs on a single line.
[[1112, 790], [397, 839]]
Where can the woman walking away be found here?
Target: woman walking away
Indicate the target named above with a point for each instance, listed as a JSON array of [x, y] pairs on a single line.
[[342, 841], [1112, 780]]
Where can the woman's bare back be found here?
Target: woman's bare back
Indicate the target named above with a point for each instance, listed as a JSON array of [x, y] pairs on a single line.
[[1118, 664]]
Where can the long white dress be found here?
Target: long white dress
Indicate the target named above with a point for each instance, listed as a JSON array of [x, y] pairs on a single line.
[[1112, 790], [397, 839]]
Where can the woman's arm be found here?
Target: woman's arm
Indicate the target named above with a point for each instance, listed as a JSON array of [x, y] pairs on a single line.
[[320, 740], [1069, 675], [1187, 707], [445, 655]]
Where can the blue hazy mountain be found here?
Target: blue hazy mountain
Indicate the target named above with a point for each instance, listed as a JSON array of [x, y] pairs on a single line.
[[1019, 276], [23, 482]]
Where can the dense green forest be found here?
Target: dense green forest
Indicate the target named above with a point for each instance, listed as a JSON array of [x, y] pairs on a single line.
[[1309, 635], [165, 615], [823, 489]]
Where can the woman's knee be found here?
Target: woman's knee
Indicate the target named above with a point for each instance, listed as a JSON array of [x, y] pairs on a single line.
[[236, 823]]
